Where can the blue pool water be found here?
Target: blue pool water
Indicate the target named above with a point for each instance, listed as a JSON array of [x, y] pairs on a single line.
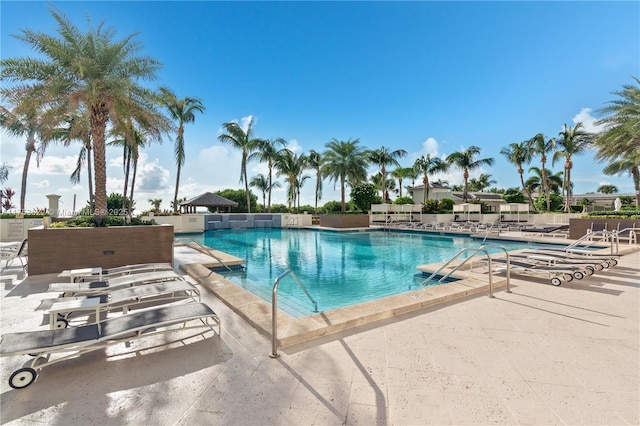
[[338, 268]]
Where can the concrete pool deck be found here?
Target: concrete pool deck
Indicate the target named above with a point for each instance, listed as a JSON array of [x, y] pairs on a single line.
[[538, 355]]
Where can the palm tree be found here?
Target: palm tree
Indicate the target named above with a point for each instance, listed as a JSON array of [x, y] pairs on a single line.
[[261, 182], [428, 165], [87, 70], [242, 139], [26, 120], [183, 111], [345, 162], [621, 136], [155, 202], [631, 164], [315, 161], [607, 189], [292, 166], [377, 180], [79, 129], [573, 141], [534, 183], [539, 144], [402, 173], [4, 173], [519, 154], [381, 157], [268, 152], [465, 160], [481, 183]]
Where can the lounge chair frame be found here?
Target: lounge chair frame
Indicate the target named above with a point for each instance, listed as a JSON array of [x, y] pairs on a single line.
[[62, 309], [92, 337], [101, 287], [9, 254], [76, 275]]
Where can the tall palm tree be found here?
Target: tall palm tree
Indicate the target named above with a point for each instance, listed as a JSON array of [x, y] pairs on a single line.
[[88, 70], [539, 144], [244, 140], [346, 163], [466, 161], [315, 161], [627, 164], [182, 110], [26, 119], [292, 166], [428, 165], [268, 152], [383, 157], [622, 124], [619, 143], [573, 141], [261, 183], [402, 173], [519, 154]]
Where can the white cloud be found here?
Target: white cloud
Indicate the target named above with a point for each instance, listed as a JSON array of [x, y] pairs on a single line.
[[244, 122], [42, 184], [152, 177], [430, 146], [588, 121]]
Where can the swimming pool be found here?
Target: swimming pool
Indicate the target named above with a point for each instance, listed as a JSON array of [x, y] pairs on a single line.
[[338, 268]]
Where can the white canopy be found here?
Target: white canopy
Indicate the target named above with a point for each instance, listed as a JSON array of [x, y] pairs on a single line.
[[467, 208]]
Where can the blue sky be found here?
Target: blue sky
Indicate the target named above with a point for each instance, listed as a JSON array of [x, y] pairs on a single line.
[[427, 77]]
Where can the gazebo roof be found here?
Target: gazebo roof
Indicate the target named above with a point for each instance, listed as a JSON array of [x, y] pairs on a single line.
[[209, 199]]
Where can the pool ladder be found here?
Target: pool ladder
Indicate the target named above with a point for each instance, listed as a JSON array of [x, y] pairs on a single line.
[[274, 308], [482, 249]]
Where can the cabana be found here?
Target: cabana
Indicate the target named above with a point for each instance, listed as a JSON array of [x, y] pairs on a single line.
[[507, 211], [467, 208], [209, 200]]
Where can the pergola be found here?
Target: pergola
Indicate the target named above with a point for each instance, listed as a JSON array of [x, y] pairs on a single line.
[[208, 199], [512, 208], [467, 208]]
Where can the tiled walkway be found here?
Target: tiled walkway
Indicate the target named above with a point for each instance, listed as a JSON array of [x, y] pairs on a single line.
[[541, 355]]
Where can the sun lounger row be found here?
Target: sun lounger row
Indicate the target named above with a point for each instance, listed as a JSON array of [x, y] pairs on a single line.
[[558, 266], [94, 301]]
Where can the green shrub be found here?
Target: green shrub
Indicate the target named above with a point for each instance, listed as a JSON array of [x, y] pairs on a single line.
[[403, 200]]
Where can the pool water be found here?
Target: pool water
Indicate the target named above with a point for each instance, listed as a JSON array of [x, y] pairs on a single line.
[[337, 268]]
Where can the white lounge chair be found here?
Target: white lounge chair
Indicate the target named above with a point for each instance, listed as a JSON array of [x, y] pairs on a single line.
[[596, 231], [74, 341], [627, 231], [100, 287], [9, 254], [555, 273], [61, 308], [98, 273]]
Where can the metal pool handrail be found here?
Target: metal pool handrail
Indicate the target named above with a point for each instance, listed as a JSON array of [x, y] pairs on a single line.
[[274, 308], [209, 253]]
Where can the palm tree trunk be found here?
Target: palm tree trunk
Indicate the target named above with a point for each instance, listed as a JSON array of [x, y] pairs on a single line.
[[635, 173], [246, 188], [126, 180], [98, 119], [270, 184], [466, 185], [133, 181], [175, 195], [521, 171], [568, 203], [545, 184], [425, 193], [343, 205], [30, 147], [400, 185], [90, 177]]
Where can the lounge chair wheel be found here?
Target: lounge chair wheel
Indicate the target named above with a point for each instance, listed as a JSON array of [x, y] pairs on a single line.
[[61, 323], [613, 262], [556, 281], [578, 275], [568, 277], [599, 266], [589, 270], [22, 378]]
